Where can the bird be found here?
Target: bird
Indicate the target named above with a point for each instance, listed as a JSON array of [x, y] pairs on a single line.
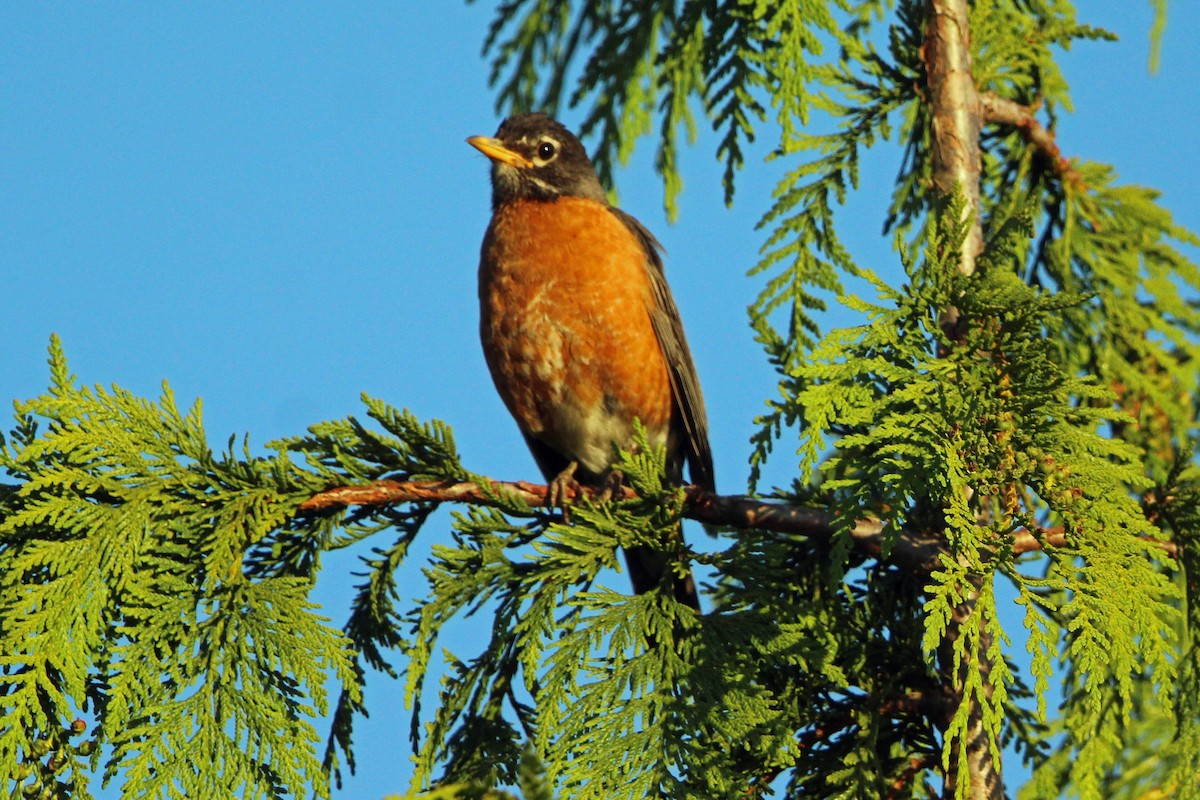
[[579, 329]]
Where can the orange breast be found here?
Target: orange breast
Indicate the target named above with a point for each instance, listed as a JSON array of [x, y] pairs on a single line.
[[565, 322]]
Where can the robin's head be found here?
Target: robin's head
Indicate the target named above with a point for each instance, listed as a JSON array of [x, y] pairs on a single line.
[[535, 157]]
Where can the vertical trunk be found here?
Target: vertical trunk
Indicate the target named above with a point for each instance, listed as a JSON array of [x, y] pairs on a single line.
[[986, 781], [956, 115]]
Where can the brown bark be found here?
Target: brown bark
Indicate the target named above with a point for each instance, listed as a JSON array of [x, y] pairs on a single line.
[[956, 116], [915, 550], [1002, 111]]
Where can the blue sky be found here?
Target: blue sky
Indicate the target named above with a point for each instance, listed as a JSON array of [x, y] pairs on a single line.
[[272, 207]]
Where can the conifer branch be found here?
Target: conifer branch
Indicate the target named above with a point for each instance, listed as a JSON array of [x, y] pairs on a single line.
[[913, 703], [735, 511], [1002, 111], [388, 492], [919, 551], [916, 765]]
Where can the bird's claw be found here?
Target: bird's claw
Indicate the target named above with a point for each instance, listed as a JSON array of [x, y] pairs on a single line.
[[613, 483], [563, 485]]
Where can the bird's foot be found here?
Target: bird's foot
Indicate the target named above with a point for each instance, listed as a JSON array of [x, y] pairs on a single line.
[[613, 483], [564, 484]]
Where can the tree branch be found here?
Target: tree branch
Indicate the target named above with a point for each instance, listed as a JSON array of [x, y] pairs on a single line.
[[920, 551], [1002, 111], [825, 731], [734, 511]]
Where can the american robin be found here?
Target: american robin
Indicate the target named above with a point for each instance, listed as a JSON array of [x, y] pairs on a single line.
[[579, 329]]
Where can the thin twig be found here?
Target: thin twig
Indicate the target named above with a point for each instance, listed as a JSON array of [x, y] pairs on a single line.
[[1002, 111]]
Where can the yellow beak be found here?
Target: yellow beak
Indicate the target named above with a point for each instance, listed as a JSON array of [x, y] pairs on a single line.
[[493, 149]]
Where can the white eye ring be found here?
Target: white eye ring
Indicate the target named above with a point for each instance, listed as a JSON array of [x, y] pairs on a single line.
[[547, 151]]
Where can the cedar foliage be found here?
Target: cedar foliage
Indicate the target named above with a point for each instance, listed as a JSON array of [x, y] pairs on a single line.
[[160, 588]]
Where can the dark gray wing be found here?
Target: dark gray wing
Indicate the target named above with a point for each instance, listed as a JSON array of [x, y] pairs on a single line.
[[668, 327]]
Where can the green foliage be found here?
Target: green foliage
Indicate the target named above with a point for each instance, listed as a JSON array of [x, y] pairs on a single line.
[[1028, 431], [1166, 758], [531, 779], [162, 589], [989, 436], [563, 650], [652, 59], [1060, 412], [1156, 32], [638, 696]]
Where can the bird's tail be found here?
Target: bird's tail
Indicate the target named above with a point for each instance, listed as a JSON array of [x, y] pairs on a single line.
[[648, 567]]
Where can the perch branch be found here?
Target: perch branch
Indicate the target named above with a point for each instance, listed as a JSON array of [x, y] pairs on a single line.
[[734, 511]]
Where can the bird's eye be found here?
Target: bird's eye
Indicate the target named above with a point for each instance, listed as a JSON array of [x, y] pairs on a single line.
[[547, 151]]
